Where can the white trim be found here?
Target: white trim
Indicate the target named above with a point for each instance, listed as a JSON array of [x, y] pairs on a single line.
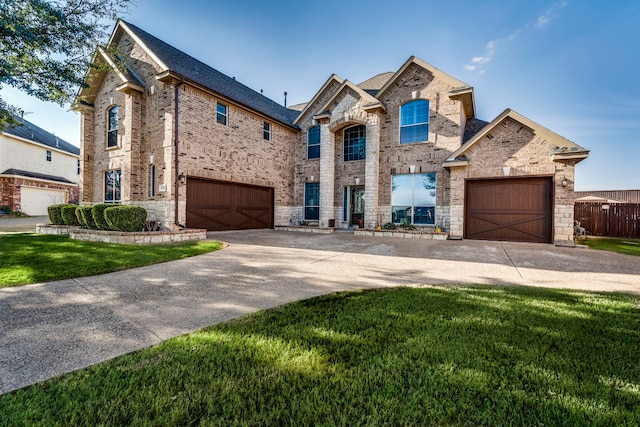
[[2, 175], [39, 144]]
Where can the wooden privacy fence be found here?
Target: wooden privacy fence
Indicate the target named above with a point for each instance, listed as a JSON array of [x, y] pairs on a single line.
[[612, 219]]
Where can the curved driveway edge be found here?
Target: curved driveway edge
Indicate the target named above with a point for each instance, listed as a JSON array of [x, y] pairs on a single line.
[[53, 328]]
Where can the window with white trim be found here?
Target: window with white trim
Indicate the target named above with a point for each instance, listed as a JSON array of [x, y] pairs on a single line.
[[414, 122], [78, 167], [266, 131], [48, 155], [221, 113], [413, 198], [112, 186]]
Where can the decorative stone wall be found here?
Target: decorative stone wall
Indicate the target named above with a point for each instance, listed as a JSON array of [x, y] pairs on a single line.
[[141, 238]]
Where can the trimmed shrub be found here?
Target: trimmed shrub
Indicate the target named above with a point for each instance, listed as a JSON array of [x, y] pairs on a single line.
[[86, 218], [69, 215], [126, 218], [97, 212], [55, 214]]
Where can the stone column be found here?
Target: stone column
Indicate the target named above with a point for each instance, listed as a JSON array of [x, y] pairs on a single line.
[[371, 172], [87, 155], [132, 171], [327, 174]]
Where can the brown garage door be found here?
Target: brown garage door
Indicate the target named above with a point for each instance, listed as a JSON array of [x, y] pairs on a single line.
[[514, 209], [216, 205]]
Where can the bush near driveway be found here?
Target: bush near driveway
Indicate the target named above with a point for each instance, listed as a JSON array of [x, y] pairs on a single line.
[[97, 211], [68, 213], [55, 214], [125, 218]]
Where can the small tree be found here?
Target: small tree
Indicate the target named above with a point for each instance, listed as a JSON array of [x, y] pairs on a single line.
[[46, 47]]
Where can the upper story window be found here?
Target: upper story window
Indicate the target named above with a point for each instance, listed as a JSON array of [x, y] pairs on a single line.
[[266, 131], [313, 143], [414, 122], [221, 113], [48, 156], [78, 167], [112, 186], [112, 126], [355, 143]]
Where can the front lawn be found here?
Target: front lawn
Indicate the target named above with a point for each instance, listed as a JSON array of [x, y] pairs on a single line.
[[614, 244], [408, 356], [32, 258]]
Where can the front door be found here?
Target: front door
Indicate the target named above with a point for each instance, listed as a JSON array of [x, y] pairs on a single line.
[[357, 205]]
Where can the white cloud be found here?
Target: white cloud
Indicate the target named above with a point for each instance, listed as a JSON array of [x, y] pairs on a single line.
[[491, 48]]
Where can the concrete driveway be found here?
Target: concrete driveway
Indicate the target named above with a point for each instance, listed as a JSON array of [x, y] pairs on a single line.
[[53, 328]]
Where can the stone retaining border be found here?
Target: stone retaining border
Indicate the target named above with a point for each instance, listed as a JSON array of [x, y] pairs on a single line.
[[305, 229], [402, 234], [124, 238]]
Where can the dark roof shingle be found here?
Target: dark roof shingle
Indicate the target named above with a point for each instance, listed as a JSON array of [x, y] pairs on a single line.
[[28, 174], [472, 127], [28, 130], [199, 72]]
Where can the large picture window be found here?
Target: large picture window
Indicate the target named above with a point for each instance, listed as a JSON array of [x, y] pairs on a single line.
[[414, 122], [413, 198], [112, 126], [355, 143], [112, 186], [313, 143], [312, 201]]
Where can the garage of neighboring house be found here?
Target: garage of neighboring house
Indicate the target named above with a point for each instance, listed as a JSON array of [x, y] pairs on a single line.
[[218, 205], [511, 209], [35, 200]]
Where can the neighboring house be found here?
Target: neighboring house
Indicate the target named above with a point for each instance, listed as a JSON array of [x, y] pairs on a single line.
[[37, 169], [199, 149], [609, 196]]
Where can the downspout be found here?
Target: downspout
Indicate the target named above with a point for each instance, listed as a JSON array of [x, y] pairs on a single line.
[[175, 149]]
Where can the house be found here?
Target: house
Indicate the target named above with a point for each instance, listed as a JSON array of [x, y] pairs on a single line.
[[609, 196], [197, 148], [37, 169]]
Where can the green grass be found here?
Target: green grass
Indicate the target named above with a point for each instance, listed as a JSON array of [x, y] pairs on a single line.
[[407, 356], [31, 258], [612, 244]]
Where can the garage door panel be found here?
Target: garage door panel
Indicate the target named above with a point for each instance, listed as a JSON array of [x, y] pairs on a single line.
[[513, 209], [35, 200], [217, 205]]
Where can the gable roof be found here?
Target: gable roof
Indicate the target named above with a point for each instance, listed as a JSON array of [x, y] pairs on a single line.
[[472, 127], [185, 67], [459, 90], [564, 149], [332, 78], [373, 84], [370, 99], [31, 132]]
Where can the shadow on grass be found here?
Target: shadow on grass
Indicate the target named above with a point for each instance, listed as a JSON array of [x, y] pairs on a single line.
[[407, 356]]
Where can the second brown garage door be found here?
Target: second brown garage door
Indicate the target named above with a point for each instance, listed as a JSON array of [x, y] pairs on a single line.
[[217, 205], [513, 209]]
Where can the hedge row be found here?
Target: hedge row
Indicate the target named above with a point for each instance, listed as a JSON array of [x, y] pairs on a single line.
[[99, 217]]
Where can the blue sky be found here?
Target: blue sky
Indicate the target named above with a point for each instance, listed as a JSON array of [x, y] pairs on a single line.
[[571, 66]]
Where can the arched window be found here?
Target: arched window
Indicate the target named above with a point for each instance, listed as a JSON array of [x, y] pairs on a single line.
[[355, 143], [112, 126], [414, 122], [313, 143]]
